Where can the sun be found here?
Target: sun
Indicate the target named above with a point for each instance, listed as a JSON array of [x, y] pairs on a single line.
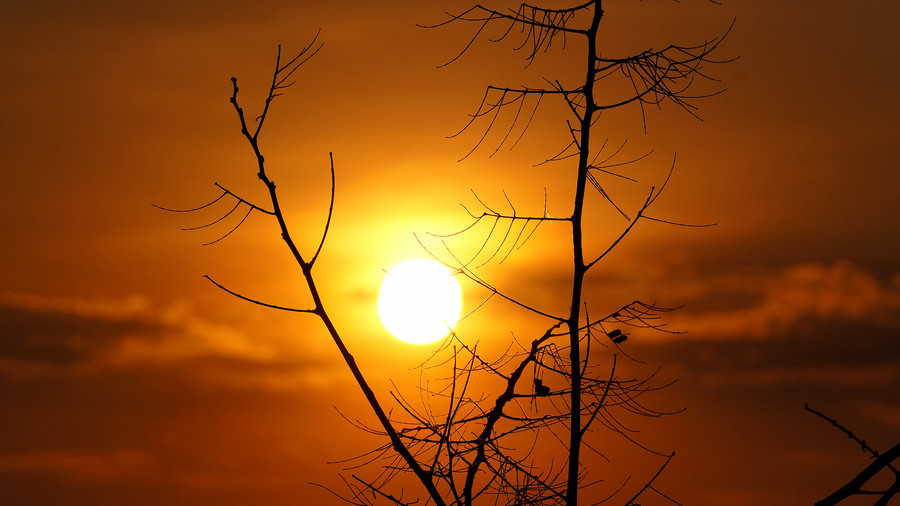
[[419, 301]]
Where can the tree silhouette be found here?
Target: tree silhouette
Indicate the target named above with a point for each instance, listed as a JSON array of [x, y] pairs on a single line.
[[520, 436]]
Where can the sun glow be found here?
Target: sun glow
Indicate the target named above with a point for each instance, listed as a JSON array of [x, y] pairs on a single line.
[[420, 301]]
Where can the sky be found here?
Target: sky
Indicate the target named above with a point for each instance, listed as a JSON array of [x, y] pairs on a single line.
[[127, 376]]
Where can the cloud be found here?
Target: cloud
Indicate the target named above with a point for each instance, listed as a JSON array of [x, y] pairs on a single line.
[[804, 331], [62, 337], [47, 335], [64, 330], [747, 303], [777, 303]]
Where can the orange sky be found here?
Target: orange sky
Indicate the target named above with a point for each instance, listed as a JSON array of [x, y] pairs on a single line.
[[126, 377]]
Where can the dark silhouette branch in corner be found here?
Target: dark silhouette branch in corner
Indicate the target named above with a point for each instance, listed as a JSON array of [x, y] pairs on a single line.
[[880, 462]]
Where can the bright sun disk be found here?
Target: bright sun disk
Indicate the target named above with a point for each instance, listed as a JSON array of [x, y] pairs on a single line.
[[419, 301]]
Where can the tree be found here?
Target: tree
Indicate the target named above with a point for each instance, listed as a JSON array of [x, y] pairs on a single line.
[[551, 393]]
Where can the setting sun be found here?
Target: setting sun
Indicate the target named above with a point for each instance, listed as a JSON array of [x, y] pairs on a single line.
[[420, 301], [210, 294]]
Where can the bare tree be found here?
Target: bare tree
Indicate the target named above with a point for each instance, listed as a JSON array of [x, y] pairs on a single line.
[[522, 441], [554, 387]]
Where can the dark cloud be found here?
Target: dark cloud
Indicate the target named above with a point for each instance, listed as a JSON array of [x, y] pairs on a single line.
[[48, 337], [60, 338], [829, 326]]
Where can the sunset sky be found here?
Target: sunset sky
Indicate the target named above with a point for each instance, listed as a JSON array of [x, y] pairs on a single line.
[[128, 378]]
